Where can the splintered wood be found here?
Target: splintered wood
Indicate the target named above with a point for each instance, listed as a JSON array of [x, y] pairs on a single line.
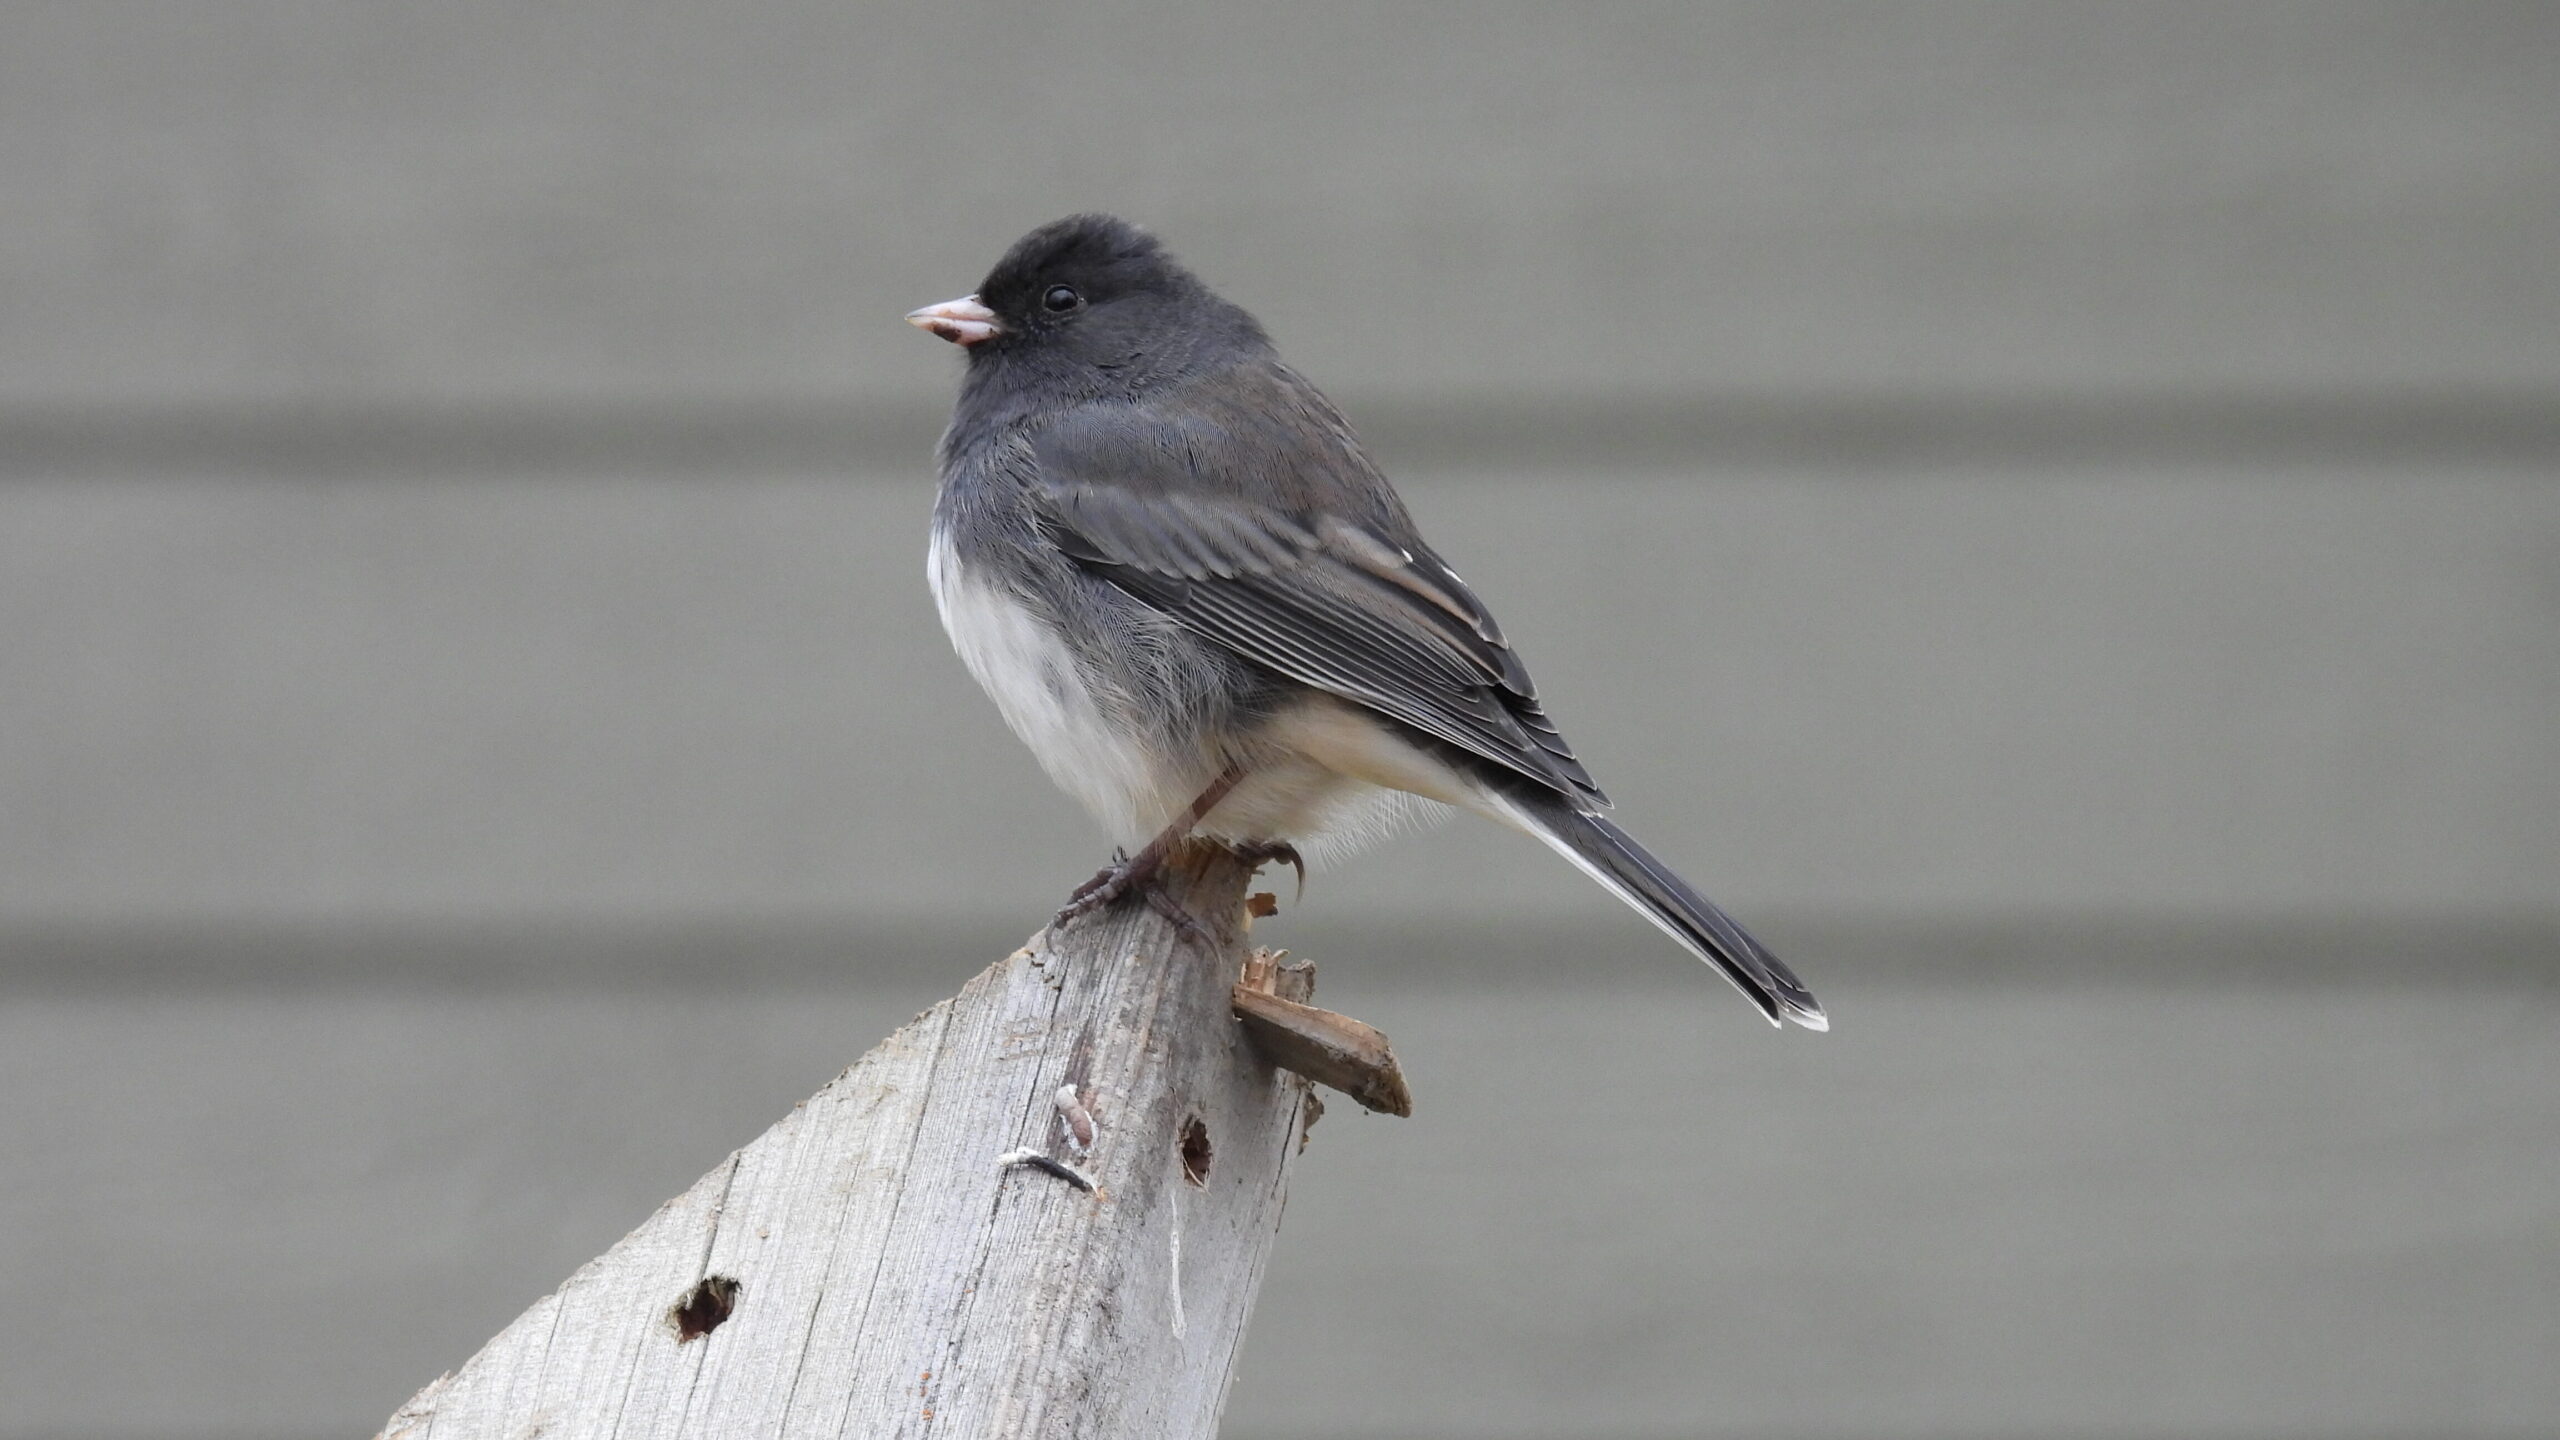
[[1333, 1050], [912, 1251]]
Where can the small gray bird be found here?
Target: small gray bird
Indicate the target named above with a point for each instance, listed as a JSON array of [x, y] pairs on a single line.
[[1170, 563]]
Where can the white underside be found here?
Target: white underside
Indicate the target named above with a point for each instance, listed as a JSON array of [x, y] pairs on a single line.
[[1033, 679], [1326, 776]]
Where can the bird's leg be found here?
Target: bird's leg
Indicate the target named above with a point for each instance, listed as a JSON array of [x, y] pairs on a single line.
[[1128, 872]]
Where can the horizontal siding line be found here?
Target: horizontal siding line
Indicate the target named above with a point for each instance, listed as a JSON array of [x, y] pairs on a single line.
[[1836, 954], [681, 435]]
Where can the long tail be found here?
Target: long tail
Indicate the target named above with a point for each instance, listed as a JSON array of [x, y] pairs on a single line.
[[1611, 856]]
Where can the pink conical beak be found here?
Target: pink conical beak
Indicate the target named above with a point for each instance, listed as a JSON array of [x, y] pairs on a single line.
[[962, 322]]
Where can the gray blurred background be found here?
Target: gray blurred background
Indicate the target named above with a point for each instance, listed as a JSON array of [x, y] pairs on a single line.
[[2051, 512]]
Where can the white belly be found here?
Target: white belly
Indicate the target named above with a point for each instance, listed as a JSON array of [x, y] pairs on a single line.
[[1323, 774], [1037, 687]]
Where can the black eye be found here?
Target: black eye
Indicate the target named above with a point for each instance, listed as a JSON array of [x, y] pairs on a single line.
[[1061, 298]]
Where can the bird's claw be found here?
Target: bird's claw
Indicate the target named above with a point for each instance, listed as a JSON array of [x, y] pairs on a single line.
[[1258, 853]]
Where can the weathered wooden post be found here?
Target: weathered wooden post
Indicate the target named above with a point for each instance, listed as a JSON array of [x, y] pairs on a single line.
[[1041, 1208]]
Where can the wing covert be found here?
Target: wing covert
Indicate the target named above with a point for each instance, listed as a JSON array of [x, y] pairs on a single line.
[[1215, 516]]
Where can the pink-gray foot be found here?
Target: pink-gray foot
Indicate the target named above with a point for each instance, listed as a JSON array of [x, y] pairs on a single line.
[[1108, 884]]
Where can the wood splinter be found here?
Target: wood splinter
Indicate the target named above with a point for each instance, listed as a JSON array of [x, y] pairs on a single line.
[[1333, 1050]]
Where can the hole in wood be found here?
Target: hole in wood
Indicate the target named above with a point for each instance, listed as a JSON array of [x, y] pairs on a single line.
[[1195, 1151], [703, 1307]]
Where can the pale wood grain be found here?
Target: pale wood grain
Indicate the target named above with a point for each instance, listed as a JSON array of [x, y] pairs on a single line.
[[893, 1280]]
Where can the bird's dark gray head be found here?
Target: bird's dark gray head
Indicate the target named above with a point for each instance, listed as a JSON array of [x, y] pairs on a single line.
[[1086, 307]]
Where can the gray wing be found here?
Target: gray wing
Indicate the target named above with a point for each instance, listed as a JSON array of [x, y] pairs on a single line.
[[1262, 527]]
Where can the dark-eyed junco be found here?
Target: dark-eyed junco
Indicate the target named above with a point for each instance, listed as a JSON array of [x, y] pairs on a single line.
[[1191, 593]]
